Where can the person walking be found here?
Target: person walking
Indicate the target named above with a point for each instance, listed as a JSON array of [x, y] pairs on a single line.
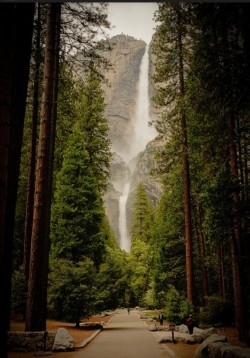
[[161, 318], [190, 324]]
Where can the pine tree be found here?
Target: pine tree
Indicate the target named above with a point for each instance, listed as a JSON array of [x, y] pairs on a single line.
[[37, 289], [171, 46], [71, 291], [94, 125], [141, 253], [32, 163], [77, 212], [113, 280], [142, 216], [221, 64], [168, 238]]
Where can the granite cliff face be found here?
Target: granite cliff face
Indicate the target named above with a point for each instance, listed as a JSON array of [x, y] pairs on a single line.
[[120, 96]]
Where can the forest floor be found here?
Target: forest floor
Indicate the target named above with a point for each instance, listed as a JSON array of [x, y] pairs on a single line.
[[79, 335]]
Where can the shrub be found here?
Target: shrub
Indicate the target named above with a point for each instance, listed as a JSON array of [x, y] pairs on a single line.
[[149, 300], [71, 290], [217, 312], [178, 307]]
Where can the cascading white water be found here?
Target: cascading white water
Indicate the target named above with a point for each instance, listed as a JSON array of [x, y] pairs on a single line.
[[142, 134], [124, 237]]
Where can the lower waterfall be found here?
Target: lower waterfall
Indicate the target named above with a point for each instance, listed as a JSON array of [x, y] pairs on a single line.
[[125, 244]]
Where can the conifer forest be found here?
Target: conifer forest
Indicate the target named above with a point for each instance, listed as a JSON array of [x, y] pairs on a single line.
[[190, 251]]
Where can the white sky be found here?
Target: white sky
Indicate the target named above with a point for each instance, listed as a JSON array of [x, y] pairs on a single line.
[[132, 18]]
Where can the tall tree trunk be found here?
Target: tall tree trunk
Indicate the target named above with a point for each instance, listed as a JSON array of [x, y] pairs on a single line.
[[31, 179], [53, 136], [221, 271], [185, 162], [236, 245], [15, 51], [201, 245], [37, 289]]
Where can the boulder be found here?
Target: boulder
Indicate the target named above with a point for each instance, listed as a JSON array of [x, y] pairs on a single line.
[[229, 351], [166, 337], [183, 328], [63, 341], [152, 327], [203, 349], [222, 350], [200, 335]]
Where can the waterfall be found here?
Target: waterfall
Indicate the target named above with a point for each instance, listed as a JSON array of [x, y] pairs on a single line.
[[124, 237], [142, 134]]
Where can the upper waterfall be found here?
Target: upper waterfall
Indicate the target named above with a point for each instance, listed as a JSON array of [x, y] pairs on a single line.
[[142, 131]]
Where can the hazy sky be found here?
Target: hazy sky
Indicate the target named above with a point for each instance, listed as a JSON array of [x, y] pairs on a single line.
[[132, 18]]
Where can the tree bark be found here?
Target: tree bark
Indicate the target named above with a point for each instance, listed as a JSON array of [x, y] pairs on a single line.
[[236, 244], [201, 245], [15, 52], [221, 271], [37, 289], [53, 137], [31, 179]]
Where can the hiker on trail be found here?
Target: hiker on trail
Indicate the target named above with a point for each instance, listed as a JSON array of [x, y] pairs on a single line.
[[161, 318], [190, 324], [128, 310]]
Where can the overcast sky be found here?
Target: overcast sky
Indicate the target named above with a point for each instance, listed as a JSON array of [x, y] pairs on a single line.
[[132, 18]]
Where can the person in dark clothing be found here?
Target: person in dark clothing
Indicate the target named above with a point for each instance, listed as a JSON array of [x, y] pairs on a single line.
[[190, 324], [161, 318]]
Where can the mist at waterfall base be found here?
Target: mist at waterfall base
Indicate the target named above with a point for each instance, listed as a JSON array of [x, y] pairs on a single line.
[[142, 134]]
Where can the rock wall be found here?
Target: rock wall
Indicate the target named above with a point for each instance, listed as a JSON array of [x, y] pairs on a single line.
[[31, 341], [120, 95]]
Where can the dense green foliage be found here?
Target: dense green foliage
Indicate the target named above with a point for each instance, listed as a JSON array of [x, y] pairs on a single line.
[[177, 305], [71, 291], [113, 280], [218, 311], [141, 257], [77, 212], [79, 234], [215, 40], [94, 126]]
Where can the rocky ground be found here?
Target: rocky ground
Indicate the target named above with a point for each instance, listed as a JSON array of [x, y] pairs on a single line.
[[79, 335]]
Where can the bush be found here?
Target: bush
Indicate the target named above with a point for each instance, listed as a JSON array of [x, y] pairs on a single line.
[[71, 290], [178, 307], [149, 301], [217, 312]]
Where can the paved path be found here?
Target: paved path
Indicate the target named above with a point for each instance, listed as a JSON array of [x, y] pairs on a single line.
[[125, 336]]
